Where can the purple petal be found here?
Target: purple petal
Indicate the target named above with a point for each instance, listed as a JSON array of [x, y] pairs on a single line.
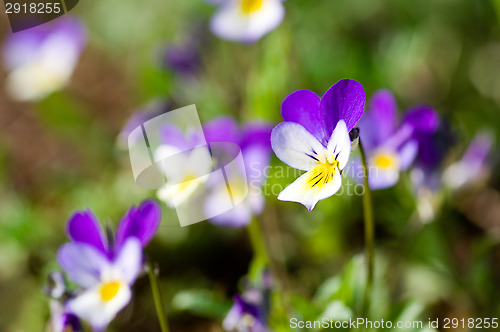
[[303, 107], [257, 133], [238, 216], [222, 129], [173, 135], [83, 227], [256, 150], [345, 100], [140, 222], [82, 262], [422, 118], [478, 150], [23, 47], [380, 120], [140, 116], [256, 160], [236, 316], [182, 59], [424, 122]]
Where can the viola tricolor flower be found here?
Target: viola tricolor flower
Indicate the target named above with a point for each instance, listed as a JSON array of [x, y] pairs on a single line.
[[392, 148], [253, 140], [315, 138], [106, 270], [184, 58], [41, 60], [247, 21]]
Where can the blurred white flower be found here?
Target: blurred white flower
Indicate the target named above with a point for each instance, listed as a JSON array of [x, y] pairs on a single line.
[[247, 21], [41, 60]]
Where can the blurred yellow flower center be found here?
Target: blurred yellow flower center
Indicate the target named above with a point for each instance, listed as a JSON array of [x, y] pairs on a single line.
[[237, 189], [109, 291], [187, 182], [249, 6], [386, 160], [322, 174]]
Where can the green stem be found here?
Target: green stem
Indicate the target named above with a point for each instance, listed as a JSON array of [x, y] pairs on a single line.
[[257, 241], [262, 260], [155, 288], [369, 234]]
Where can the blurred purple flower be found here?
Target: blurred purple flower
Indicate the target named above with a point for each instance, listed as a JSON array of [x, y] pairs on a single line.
[[61, 320], [105, 271], [140, 116], [244, 316], [41, 60], [474, 164], [427, 171], [247, 21], [254, 141], [249, 312], [392, 148], [315, 138], [184, 58]]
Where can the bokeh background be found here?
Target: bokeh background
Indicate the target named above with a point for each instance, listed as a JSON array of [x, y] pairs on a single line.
[[62, 154]]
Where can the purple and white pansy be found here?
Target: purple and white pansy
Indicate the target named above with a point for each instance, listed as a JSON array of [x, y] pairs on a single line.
[[41, 60], [106, 269], [315, 138], [188, 174], [392, 148], [254, 142]]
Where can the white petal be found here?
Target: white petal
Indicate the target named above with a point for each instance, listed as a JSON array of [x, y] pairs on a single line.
[[311, 187], [407, 154], [199, 161], [90, 307], [295, 146], [340, 144], [231, 23], [380, 178], [129, 260]]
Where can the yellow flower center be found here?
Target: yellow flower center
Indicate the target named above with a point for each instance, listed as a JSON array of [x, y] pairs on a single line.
[[236, 189], [385, 160], [109, 291], [322, 174], [250, 6], [187, 182]]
